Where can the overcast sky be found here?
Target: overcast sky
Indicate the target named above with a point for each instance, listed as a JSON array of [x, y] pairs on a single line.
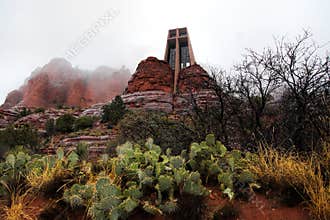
[[33, 32]]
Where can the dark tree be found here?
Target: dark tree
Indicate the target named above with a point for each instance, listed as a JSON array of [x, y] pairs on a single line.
[[65, 123], [23, 135], [83, 123], [137, 126], [50, 127], [114, 112], [218, 117], [256, 86], [305, 79]]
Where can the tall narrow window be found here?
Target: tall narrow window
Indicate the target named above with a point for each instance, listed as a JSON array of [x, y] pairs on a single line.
[[172, 58], [184, 56]]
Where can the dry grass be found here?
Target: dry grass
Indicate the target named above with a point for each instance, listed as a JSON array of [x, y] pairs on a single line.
[[318, 186], [288, 169], [324, 159], [41, 180], [319, 195], [19, 207], [281, 168], [16, 212]]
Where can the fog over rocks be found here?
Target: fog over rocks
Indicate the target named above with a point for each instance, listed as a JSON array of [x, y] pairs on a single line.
[[59, 84]]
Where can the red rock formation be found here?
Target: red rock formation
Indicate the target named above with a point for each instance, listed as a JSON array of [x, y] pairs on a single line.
[[57, 83], [75, 93], [151, 87], [193, 78], [13, 98], [151, 75], [103, 87], [37, 89]]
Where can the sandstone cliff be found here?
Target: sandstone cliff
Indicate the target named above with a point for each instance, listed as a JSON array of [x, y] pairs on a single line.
[[58, 83], [13, 98]]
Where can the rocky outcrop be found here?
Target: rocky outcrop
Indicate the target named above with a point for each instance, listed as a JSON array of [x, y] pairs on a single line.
[[151, 87], [97, 145], [13, 98], [183, 103], [38, 120], [7, 116], [151, 75], [94, 110], [58, 83], [150, 100], [192, 79], [76, 93]]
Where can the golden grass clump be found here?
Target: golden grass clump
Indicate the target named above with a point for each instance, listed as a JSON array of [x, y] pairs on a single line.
[[41, 179], [281, 168], [16, 212], [324, 158], [309, 176], [318, 192], [18, 208]]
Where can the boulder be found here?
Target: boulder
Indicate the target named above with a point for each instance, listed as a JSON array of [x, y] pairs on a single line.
[[151, 75], [192, 79]]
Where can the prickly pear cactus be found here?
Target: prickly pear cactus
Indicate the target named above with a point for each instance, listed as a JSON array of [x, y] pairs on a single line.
[[143, 176], [169, 207], [176, 162], [215, 163], [193, 185], [78, 195], [138, 173], [165, 182]]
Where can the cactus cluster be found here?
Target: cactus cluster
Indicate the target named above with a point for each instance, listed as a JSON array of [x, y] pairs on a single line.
[[39, 172], [141, 176], [218, 165], [43, 171], [13, 171]]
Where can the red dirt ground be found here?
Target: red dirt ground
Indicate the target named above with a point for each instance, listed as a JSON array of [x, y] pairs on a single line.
[[257, 208]]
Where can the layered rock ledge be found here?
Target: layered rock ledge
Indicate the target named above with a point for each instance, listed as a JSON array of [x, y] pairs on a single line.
[[151, 87]]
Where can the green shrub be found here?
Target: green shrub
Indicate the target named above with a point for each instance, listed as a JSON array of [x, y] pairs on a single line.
[[50, 127], [39, 110], [65, 123], [82, 151], [24, 112], [137, 126], [83, 123], [114, 112], [23, 135]]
